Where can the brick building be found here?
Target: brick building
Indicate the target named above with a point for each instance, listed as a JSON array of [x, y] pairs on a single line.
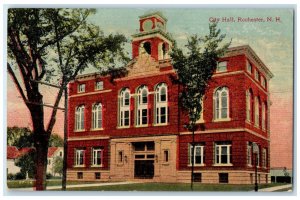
[[133, 127]]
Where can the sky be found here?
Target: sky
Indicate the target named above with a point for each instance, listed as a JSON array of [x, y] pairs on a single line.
[[272, 42]]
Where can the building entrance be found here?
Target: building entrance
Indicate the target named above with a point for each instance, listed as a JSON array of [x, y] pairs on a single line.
[[143, 160]]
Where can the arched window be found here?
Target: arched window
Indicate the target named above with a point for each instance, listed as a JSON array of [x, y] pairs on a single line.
[[124, 107], [79, 118], [256, 111], [142, 106], [97, 116], [263, 116], [161, 104], [249, 100], [221, 103], [145, 47]]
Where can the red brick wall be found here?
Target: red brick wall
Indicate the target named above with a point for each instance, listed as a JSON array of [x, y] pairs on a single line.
[[88, 145]]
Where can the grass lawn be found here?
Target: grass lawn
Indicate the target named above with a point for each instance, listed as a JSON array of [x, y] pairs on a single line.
[[173, 187], [29, 183]]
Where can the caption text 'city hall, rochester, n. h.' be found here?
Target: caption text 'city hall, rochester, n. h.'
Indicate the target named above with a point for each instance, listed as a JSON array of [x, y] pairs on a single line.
[[133, 127]]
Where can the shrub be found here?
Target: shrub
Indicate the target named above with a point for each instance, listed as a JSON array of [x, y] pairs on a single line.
[[20, 176], [49, 176], [10, 177]]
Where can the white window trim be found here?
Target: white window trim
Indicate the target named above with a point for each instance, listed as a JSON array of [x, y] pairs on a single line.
[[248, 106], [123, 108], [219, 147], [201, 153], [247, 67], [95, 152], [256, 112], [256, 75], [264, 158], [218, 65], [141, 106], [249, 154], [78, 152], [263, 116], [97, 85], [201, 119], [95, 116], [81, 88], [79, 119], [219, 117], [160, 104]]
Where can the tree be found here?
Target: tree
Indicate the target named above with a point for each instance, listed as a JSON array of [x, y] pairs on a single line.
[[19, 137], [195, 69], [56, 141], [44, 44], [27, 164], [58, 165]]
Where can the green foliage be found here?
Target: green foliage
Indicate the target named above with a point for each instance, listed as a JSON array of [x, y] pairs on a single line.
[[27, 164], [195, 68], [58, 165], [19, 137], [56, 141]]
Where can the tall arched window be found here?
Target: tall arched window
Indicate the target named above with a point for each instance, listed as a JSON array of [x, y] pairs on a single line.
[[79, 118], [221, 103], [124, 107], [161, 104], [97, 116], [256, 111], [263, 116], [142, 106], [249, 100]]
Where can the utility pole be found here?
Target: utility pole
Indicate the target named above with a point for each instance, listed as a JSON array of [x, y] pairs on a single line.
[[256, 152], [64, 177]]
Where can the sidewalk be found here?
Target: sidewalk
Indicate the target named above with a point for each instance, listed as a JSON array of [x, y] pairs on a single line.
[[274, 189], [74, 186]]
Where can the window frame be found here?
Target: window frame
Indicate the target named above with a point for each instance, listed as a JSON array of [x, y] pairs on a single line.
[[97, 151], [249, 67], [81, 88], [202, 154], [221, 68], [79, 118], [264, 158], [99, 85], [142, 106], [263, 116], [97, 112], [256, 111], [160, 104], [218, 107], [249, 154], [124, 107], [79, 158], [218, 154], [201, 119]]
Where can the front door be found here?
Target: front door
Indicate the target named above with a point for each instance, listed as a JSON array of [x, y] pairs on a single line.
[[143, 160]]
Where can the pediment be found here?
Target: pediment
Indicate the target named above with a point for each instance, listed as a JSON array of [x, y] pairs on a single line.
[[142, 64]]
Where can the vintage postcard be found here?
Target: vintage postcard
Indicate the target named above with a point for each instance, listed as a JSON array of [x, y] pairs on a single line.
[[150, 99]]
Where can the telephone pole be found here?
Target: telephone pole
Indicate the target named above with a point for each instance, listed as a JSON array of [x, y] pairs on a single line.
[[64, 177]]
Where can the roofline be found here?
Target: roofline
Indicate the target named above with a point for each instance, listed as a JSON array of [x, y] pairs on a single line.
[[152, 14], [250, 53]]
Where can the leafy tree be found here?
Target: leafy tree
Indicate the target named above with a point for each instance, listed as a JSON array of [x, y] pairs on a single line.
[[27, 164], [48, 44], [19, 137], [58, 165], [56, 141], [195, 69]]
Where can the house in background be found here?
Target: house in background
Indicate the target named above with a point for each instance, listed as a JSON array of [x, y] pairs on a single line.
[[53, 153], [12, 155], [134, 128]]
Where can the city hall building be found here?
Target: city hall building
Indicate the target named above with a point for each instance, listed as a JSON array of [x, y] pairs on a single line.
[[132, 128]]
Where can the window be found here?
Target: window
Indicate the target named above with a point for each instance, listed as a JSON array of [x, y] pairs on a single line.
[[124, 108], [97, 175], [263, 81], [79, 157], [97, 156], [161, 104], [97, 116], [60, 154], [264, 158], [79, 175], [49, 162], [198, 177], [166, 155], [198, 154], [81, 88], [221, 104], [249, 67], [257, 156], [142, 106], [249, 153], [263, 116], [256, 111], [79, 118], [223, 177], [222, 66], [223, 153], [248, 105], [120, 156], [256, 75], [99, 85]]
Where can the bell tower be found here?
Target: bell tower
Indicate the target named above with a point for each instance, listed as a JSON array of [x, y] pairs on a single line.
[[152, 39]]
